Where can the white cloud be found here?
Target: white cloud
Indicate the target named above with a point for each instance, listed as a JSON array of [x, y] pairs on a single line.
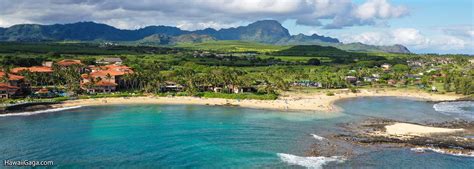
[[463, 31], [217, 13], [379, 9], [412, 38], [409, 36]]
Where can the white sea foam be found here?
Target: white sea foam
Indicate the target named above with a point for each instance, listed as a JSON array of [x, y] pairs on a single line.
[[310, 162], [39, 111], [441, 151], [318, 137], [455, 108]]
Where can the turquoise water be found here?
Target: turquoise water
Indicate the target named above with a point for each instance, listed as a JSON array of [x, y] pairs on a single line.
[[185, 136]]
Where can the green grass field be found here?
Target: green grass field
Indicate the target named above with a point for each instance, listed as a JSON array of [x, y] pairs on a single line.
[[233, 46], [295, 58]]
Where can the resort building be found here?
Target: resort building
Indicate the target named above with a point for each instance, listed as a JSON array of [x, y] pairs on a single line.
[[13, 80], [101, 86], [33, 69], [41, 74], [7, 91], [104, 78], [69, 62]]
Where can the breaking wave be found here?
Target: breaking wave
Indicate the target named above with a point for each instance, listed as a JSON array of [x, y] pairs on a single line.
[[461, 108], [310, 162], [318, 137], [441, 151], [39, 111]]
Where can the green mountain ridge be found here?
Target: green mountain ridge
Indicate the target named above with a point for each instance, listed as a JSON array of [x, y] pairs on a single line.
[[265, 31]]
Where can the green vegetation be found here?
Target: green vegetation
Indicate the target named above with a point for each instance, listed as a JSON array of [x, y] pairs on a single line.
[[226, 66], [240, 96], [233, 46], [116, 94]]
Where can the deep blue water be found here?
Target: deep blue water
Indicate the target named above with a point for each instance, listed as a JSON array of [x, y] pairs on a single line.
[[189, 136]]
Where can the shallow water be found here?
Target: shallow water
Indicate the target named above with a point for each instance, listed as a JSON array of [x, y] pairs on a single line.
[[180, 136]]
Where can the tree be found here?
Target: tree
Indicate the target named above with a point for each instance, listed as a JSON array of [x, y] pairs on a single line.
[[400, 68], [314, 61]]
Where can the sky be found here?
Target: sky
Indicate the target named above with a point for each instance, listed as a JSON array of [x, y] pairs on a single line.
[[424, 26]]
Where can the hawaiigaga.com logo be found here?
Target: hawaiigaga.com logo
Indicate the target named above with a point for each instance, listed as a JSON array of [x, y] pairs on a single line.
[[31, 163]]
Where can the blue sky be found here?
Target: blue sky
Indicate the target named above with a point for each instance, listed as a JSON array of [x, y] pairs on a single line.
[[424, 26], [429, 17]]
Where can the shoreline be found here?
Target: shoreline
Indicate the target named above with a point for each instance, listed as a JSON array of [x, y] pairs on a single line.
[[289, 101], [446, 137]]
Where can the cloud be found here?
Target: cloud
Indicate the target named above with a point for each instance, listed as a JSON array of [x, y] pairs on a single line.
[[413, 39], [379, 9], [462, 31], [194, 14]]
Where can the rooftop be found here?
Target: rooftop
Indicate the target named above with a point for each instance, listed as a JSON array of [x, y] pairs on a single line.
[[69, 62], [35, 69], [5, 86], [11, 76]]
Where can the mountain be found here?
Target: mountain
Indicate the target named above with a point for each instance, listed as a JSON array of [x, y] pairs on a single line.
[[371, 48], [302, 39], [162, 39], [265, 31]]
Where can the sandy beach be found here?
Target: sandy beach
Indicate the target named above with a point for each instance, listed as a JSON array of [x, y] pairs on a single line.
[[288, 101], [406, 129]]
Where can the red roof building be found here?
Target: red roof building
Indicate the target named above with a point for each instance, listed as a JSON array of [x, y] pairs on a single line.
[[107, 78], [12, 77], [69, 62], [6, 90], [33, 69]]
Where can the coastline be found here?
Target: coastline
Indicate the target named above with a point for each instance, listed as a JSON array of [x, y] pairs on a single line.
[[289, 101]]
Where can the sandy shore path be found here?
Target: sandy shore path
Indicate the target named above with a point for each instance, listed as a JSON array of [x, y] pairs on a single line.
[[290, 101]]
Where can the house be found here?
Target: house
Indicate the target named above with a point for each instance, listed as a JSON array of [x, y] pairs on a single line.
[[47, 64], [108, 61], [237, 89], [370, 79], [171, 87], [386, 66], [351, 79], [7, 91], [306, 83]]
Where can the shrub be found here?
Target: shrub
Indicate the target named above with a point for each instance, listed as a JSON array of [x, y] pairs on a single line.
[[239, 96]]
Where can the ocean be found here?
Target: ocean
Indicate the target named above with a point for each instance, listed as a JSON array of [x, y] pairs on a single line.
[[192, 136]]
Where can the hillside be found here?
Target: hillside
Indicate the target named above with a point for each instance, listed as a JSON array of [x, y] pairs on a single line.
[[266, 31]]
